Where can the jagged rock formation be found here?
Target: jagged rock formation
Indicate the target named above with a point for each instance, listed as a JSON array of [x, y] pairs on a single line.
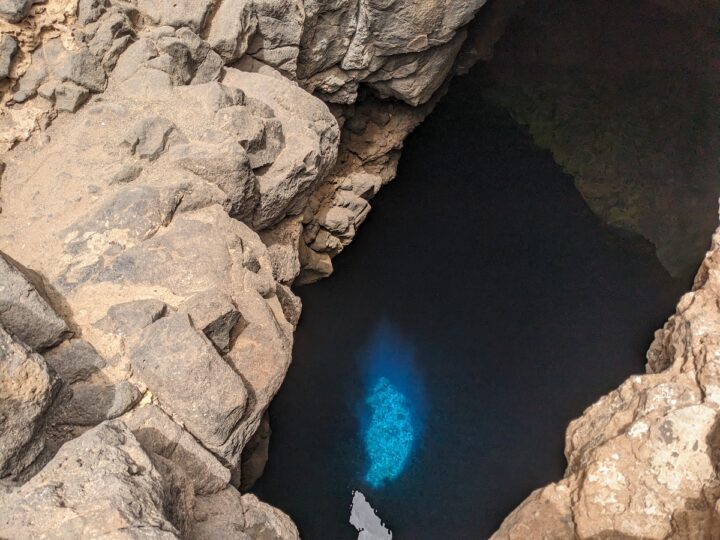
[[170, 170]]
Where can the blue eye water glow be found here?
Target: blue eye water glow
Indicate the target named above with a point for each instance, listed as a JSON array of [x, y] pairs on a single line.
[[391, 411]]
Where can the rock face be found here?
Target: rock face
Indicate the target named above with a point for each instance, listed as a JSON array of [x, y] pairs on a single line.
[[169, 171]]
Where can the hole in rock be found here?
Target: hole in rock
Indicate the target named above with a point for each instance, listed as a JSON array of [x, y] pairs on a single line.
[[490, 296]]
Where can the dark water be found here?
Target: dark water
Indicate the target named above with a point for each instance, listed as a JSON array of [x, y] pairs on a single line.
[[512, 309]]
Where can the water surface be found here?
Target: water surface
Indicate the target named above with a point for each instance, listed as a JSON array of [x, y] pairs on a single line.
[[486, 292]]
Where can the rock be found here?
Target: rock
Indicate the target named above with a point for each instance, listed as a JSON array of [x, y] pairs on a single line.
[[181, 367], [90, 11], [264, 521], [229, 516], [24, 311], [544, 514], [91, 404], [232, 26], [16, 10], [129, 317], [83, 68], [291, 304], [32, 79], [102, 484], [176, 13], [8, 48], [214, 313], [157, 433], [262, 138], [124, 173], [75, 360], [225, 165], [69, 96], [148, 137], [27, 390]]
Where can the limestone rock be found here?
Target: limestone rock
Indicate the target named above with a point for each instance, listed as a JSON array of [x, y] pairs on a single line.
[[157, 433], [27, 390], [24, 312], [100, 484], [182, 368]]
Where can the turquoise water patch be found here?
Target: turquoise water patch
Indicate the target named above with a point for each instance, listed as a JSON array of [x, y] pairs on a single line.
[[390, 418]]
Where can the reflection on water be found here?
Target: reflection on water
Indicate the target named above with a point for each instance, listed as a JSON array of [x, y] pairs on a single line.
[[390, 419]]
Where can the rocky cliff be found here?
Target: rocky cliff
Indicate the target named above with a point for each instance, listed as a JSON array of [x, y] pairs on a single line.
[[171, 169]]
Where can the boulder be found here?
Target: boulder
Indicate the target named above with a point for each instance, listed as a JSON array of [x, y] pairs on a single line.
[[102, 484], [24, 311], [225, 165], [27, 390], [182, 368], [157, 433]]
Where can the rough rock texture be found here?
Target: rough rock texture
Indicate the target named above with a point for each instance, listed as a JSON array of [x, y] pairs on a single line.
[[101, 484]]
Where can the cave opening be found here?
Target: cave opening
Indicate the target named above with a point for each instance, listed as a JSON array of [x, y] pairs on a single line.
[[544, 221]]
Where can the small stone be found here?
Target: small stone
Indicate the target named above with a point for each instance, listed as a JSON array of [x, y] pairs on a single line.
[[149, 136], [90, 10], [91, 404], [83, 68], [70, 97], [125, 173]]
